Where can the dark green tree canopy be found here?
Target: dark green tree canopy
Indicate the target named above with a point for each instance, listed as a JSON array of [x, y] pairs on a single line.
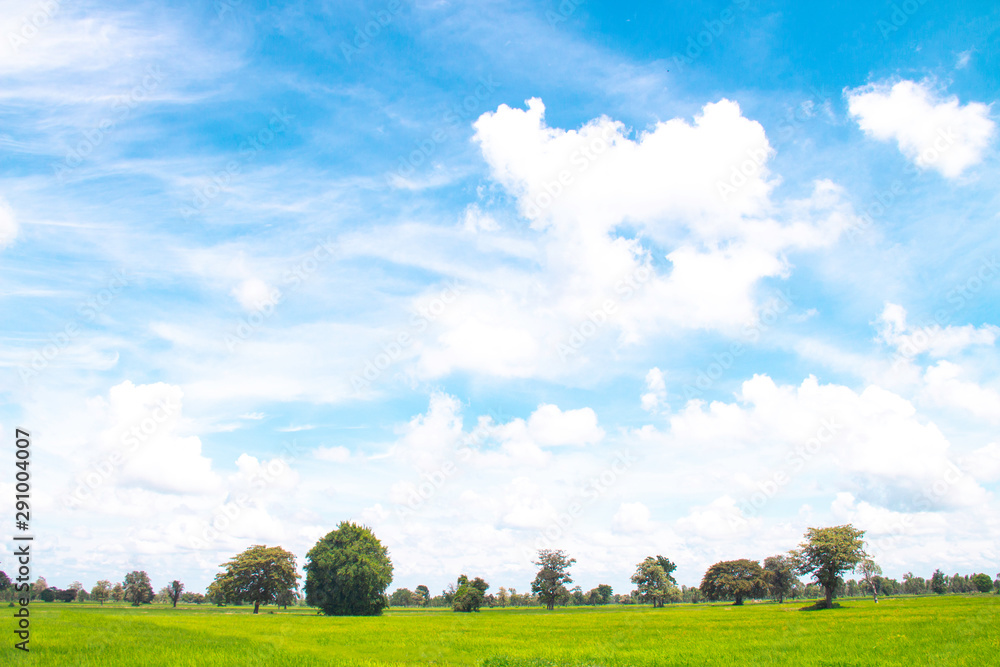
[[258, 575], [779, 572], [829, 552], [347, 572], [734, 580], [138, 589], [553, 575], [470, 594]]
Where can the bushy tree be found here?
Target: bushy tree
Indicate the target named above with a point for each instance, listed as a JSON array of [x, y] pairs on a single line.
[[939, 582], [653, 583], [734, 580], [118, 592], [47, 595], [553, 575], [347, 572], [101, 591], [401, 597], [137, 587], [779, 572], [470, 594], [829, 552], [424, 593], [258, 575]]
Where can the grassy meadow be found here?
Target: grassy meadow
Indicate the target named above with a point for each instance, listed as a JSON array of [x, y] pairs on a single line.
[[945, 630]]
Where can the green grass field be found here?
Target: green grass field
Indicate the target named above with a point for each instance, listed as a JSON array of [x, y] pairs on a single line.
[[947, 630]]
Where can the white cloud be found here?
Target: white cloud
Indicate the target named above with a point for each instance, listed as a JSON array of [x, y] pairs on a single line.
[[932, 131], [631, 518], [549, 426], [8, 224], [935, 340], [984, 463], [143, 425], [254, 294], [944, 387], [657, 391], [335, 454]]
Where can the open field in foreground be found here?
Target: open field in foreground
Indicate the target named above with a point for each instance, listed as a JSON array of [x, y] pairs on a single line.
[[950, 630]]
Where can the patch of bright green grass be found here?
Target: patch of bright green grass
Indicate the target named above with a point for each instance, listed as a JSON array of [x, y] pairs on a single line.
[[947, 630]]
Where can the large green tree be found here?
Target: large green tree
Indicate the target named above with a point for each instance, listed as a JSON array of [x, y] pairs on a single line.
[[829, 552], [470, 594], [347, 572], [258, 575], [653, 583], [734, 580], [553, 575], [137, 587], [779, 571]]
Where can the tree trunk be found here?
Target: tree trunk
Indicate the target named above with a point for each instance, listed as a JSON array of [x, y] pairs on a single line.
[[829, 596], [175, 604], [551, 605], [739, 600], [256, 607]]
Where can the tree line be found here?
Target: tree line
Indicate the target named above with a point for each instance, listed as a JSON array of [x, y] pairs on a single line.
[[348, 572]]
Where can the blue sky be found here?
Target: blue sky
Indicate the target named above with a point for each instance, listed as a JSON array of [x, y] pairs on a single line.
[[492, 277]]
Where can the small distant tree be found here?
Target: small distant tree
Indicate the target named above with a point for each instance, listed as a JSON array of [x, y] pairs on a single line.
[[502, 598], [101, 591], [47, 595], [138, 589], [829, 552], [939, 582], [259, 574], [424, 593], [285, 598], [605, 591], [83, 596], [779, 572], [118, 592], [654, 583], [401, 597], [553, 575], [734, 580], [174, 591], [469, 594], [216, 592], [870, 574]]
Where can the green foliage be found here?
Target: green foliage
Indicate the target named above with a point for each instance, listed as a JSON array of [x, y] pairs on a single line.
[[401, 597], [101, 591], [553, 574], [734, 580], [174, 590], [668, 568], [653, 583], [779, 572], [939, 582], [469, 594], [47, 595], [137, 588], [424, 593], [871, 575], [347, 572], [951, 630], [258, 575], [829, 552], [4, 581]]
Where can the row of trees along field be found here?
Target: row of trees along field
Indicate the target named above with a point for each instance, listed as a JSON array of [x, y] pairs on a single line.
[[348, 572]]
